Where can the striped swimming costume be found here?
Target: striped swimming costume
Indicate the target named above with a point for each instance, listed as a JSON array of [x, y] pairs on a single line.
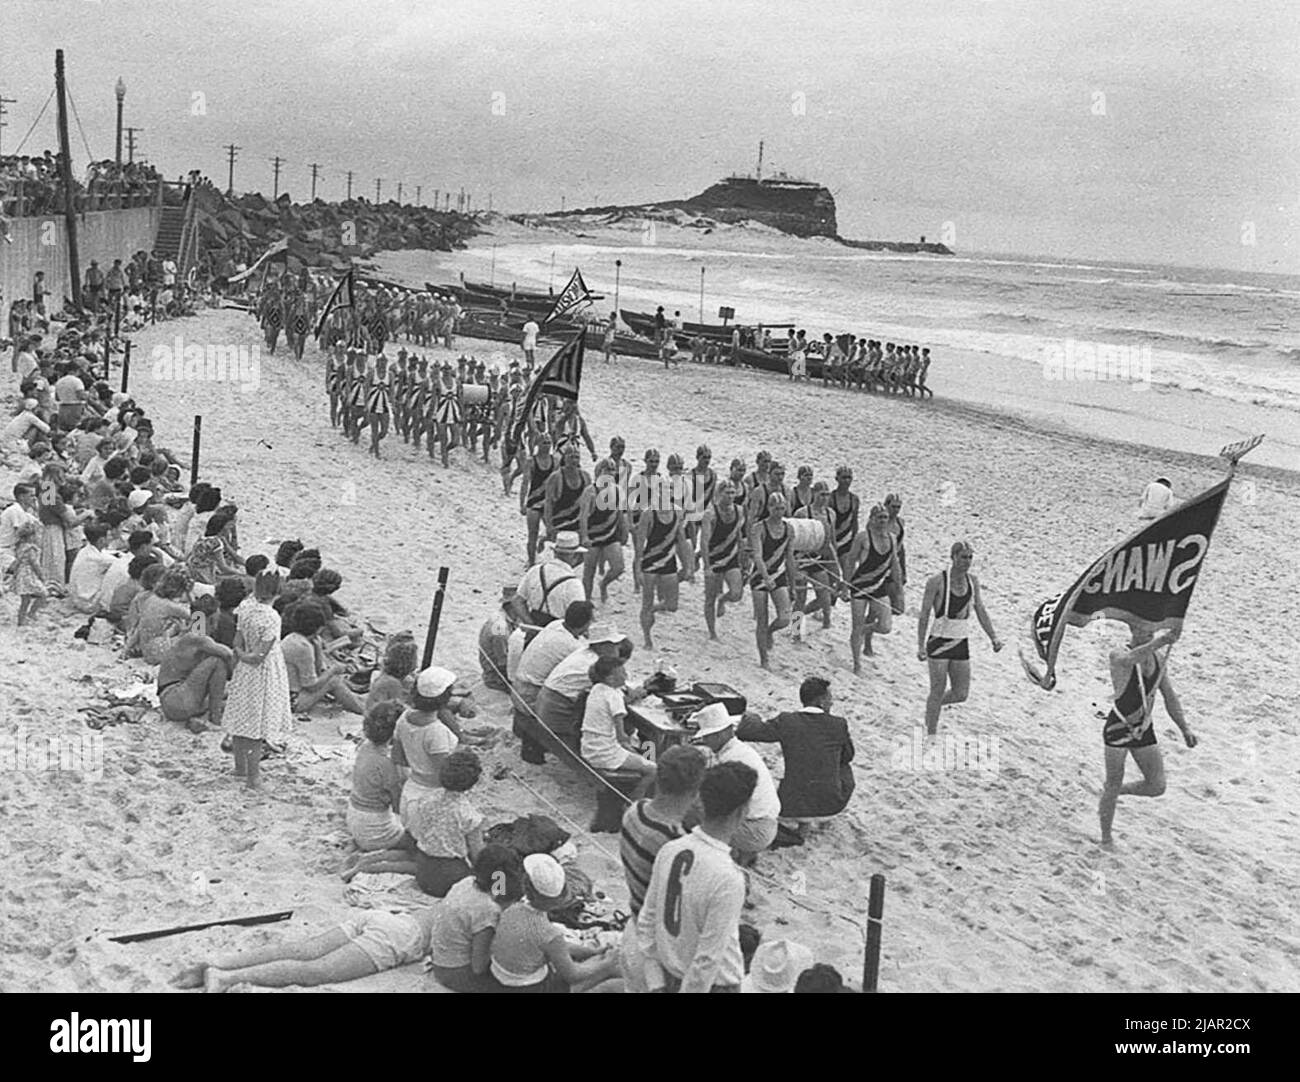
[[537, 478], [774, 551], [724, 542], [948, 640], [660, 554], [1130, 721], [378, 400], [447, 411], [846, 523], [871, 577], [564, 508], [602, 522]]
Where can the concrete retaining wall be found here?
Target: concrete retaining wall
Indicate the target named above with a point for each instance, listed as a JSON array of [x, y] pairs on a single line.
[[41, 244]]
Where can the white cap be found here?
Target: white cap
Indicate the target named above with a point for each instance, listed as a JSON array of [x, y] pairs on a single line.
[[603, 633], [546, 874], [138, 498], [712, 719], [433, 681]]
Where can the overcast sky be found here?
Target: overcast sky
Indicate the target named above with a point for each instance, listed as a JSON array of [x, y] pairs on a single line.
[[1151, 131]]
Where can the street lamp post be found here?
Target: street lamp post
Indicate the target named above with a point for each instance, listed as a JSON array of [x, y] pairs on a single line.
[[618, 270], [120, 90]]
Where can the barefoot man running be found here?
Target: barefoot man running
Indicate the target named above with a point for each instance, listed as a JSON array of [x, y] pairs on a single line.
[[773, 576], [532, 491], [663, 559], [950, 596], [873, 560], [1137, 673], [602, 525], [721, 530]]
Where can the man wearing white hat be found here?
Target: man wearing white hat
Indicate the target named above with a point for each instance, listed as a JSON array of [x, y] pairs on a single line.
[[551, 585], [776, 966], [556, 641], [717, 731]]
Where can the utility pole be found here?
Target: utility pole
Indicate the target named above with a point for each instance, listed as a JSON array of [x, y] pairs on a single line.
[[315, 170], [3, 102], [489, 202], [276, 162], [379, 187], [399, 193], [120, 91], [349, 185], [436, 192], [418, 189], [231, 151], [65, 169], [130, 142]]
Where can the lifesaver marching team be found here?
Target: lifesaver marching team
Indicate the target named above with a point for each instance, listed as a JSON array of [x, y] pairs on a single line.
[[733, 530]]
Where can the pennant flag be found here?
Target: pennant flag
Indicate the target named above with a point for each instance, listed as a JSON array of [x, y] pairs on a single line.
[[344, 296], [574, 296], [560, 376], [1235, 452], [1149, 577], [277, 253]]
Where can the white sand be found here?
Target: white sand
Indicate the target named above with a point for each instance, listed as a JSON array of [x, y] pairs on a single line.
[[994, 880]]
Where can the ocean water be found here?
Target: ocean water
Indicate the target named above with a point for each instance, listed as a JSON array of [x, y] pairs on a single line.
[[1230, 335]]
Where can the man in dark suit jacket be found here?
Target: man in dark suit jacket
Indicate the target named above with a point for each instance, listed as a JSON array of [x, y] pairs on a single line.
[[817, 749]]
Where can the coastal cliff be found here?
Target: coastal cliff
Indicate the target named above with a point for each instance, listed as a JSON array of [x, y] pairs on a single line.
[[798, 207]]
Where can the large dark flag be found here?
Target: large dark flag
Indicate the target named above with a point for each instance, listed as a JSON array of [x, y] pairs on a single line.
[[1147, 578], [574, 296], [344, 296], [560, 376]]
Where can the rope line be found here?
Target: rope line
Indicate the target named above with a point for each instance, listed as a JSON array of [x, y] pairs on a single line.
[[77, 117], [22, 144]]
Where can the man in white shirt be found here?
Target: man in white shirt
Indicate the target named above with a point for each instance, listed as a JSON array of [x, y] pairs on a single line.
[[531, 331], [26, 362], [757, 831], [88, 570], [550, 586], [23, 509], [1157, 498], [139, 543], [21, 425], [689, 925], [556, 641], [70, 397]]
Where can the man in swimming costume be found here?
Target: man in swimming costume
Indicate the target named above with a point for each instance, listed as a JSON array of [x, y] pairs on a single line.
[[950, 596], [773, 575], [532, 490], [873, 559], [897, 598], [564, 489], [603, 527], [721, 531], [1137, 673], [662, 560]]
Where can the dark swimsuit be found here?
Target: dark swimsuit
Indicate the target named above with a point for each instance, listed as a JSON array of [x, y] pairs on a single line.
[[951, 606], [724, 543], [774, 549], [660, 554], [871, 577], [1130, 721]]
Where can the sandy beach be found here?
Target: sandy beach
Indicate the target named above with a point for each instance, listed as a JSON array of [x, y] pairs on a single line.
[[995, 880]]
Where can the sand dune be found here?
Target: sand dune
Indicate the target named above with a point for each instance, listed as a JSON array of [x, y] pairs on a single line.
[[994, 880]]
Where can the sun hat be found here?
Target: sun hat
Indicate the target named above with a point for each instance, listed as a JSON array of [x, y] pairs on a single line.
[[599, 633], [433, 681], [138, 498], [712, 719], [776, 966], [567, 541], [546, 874]]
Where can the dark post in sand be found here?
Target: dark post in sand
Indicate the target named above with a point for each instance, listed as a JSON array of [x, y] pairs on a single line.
[[875, 911], [108, 347], [194, 451], [432, 636], [126, 366]]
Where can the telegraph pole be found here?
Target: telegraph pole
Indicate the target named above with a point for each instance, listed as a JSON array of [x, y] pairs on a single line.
[[399, 193], [379, 187], [3, 102], [231, 151], [130, 142], [436, 193], [276, 162], [349, 185], [418, 189], [315, 169], [65, 168]]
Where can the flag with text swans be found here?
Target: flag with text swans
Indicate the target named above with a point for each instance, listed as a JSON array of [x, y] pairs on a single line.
[[1147, 578]]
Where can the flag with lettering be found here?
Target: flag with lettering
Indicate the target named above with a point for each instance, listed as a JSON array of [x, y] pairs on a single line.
[[344, 296], [1147, 578], [560, 376], [574, 296], [277, 253]]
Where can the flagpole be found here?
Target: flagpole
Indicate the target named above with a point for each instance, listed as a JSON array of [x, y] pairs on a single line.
[[551, 284], [701, 294], [618, 270]]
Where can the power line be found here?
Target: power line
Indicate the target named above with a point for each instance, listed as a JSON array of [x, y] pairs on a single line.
[[77, 117], [3, 102]]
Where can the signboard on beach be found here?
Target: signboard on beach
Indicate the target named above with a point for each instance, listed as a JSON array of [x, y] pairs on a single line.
[[1148, 578]]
